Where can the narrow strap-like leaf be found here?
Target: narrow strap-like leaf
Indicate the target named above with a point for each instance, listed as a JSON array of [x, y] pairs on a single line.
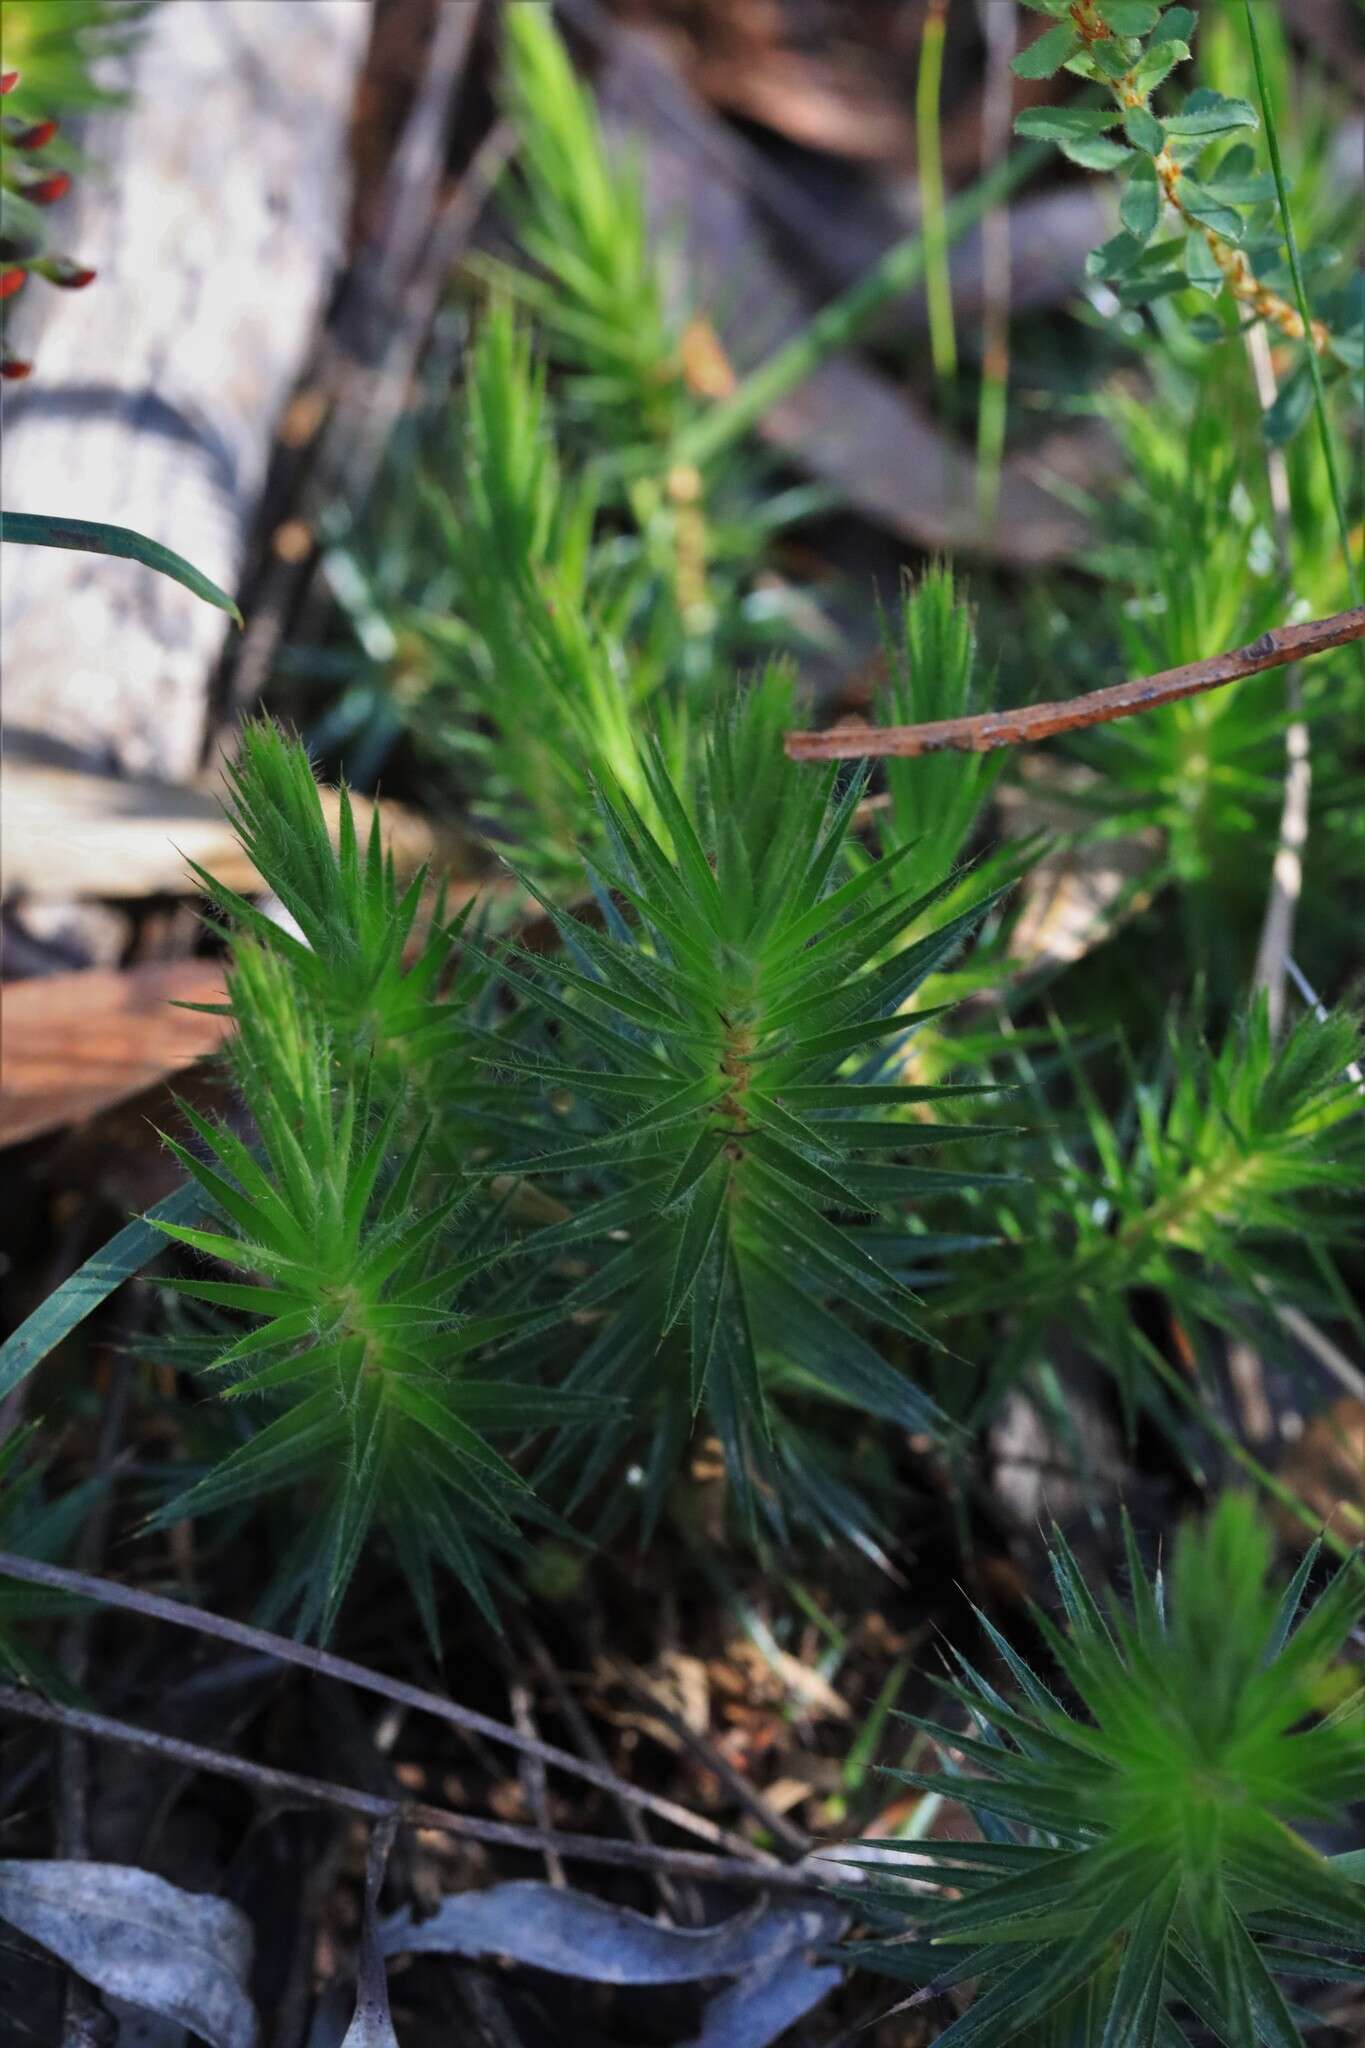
[[134, 1247], [92, 537]]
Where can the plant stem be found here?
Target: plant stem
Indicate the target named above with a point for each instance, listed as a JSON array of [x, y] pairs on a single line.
[[1286, 877], [937, 283], [840, 322], [1301, 294], [1001, 36], [1242, 281]]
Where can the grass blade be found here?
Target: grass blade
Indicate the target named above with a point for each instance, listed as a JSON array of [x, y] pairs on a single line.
[[92, 537], [839, 323], [134, 1247], [1291, 242]]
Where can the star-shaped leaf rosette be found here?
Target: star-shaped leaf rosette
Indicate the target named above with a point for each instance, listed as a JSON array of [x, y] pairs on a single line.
[[1142, 1877]]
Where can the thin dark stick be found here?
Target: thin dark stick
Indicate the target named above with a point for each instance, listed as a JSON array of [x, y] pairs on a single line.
[[323, 1664], [533, 1774], [292, 1788], [989, 729], [585, 1736], [792, 1837]]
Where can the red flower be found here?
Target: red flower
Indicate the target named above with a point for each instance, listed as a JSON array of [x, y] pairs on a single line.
[[10, 282], [11, 367], [8, 81]]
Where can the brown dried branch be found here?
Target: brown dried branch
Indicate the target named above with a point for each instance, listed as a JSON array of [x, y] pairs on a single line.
[[670, 1898], [1031, 722], [180, 1614], [291, 1788]]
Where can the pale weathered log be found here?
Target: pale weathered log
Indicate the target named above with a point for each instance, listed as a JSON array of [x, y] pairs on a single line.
[[214, 219], [66, 832]]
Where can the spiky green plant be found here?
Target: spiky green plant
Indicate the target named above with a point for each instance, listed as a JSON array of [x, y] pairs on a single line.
[[933, 805], [582, 219], [935, 799], [1141, 1872], [1189, 559], [1191, 569], [1225, 1184], [640, 366], [931, 810], [379, 965], [531, 683], [366, 1320], [727, 1163], [578, 560]]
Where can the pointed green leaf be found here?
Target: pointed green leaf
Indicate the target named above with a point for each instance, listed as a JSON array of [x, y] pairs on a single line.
[[91, 537]]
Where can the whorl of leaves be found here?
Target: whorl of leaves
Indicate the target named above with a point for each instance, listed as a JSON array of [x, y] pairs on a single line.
[[1139, 1871], [732, 1176], [368, 1304]]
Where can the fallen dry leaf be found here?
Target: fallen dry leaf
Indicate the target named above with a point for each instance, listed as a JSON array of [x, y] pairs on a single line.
[[784, 1795], [819, 101], [74, 1044], [775, 1677]]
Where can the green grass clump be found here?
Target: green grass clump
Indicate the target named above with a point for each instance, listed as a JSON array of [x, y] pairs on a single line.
[[531, 686]]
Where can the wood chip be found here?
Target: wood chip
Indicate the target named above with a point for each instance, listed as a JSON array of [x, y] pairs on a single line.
[[74, 1044]]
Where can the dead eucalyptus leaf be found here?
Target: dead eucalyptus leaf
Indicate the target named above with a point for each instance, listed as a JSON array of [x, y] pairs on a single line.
[[575, 1935], [770, 1951], [182, 1955]]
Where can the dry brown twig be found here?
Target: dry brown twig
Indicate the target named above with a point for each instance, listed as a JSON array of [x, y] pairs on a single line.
[[793, 1838], [670, 1897], [180, 1614], [986, 730], [291, 1788]]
